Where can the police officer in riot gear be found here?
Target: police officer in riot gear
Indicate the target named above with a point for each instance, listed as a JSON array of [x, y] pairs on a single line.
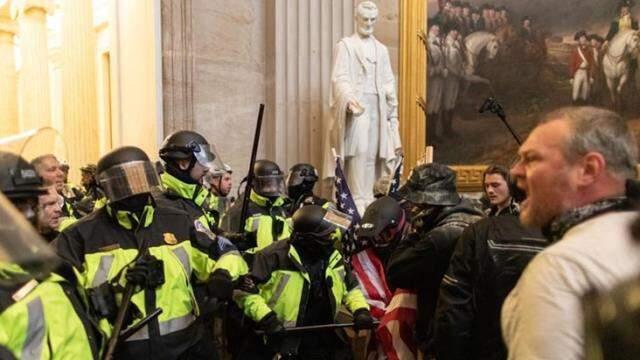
[[303, 281], [155, 247], [266, 219], [188, 158], [300, 182], [219, 182], [41, 314]]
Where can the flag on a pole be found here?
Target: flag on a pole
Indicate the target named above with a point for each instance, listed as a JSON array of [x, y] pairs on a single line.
[[397, 312], [394, 184], [345, 203], [344, 199]]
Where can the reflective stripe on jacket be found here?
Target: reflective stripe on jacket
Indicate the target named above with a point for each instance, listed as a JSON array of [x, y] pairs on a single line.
[[282, 280], [45, 325], [193, 199], [261, 216], [102, 244]]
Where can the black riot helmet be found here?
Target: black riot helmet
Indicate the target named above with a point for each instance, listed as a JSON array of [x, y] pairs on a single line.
[[20, 182], [186, 145], [301, 180], [18, 178], [268, 179], [126, 172], [315, 224]]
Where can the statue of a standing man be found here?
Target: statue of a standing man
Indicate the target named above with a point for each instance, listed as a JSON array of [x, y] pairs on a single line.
[[364, 118]]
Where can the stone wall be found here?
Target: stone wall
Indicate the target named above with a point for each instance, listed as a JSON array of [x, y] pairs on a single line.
[[229, 74]]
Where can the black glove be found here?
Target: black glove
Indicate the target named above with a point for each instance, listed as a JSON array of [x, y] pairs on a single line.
[[247, 284], [220, 285], [271, 325], [103, 301], [243, 241], [147, 272], [274, 330], [362, 320]]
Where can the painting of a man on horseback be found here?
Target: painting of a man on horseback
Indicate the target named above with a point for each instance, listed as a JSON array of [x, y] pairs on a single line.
[[531, 55]]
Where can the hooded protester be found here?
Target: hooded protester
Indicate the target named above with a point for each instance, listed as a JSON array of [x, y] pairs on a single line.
[[438, 216]]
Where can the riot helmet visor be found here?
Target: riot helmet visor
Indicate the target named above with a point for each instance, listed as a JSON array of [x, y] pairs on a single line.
[[128, 179], [23, 253], [269, 185]]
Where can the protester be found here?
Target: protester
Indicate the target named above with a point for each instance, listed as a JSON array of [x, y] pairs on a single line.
[[574, 168]]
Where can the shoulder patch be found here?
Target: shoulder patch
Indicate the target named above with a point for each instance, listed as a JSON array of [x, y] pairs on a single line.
[[200, 227]]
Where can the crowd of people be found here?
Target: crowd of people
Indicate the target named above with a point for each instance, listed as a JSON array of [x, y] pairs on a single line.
[[158, 261], [161, 256]]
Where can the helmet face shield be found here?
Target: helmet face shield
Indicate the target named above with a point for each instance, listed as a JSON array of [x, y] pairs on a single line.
[[294, 179], [23, 253], [20, 178], [203, 154], [128, 179], [269, 186], [338, 219], [299, 175]]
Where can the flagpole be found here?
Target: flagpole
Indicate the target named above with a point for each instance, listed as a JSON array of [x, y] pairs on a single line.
[[395, 170]]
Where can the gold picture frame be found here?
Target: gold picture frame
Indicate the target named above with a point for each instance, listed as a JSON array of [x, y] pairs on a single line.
[[412, 94]]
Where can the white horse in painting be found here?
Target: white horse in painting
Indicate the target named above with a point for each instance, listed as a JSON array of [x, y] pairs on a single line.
[[474, 44], [616, 62]]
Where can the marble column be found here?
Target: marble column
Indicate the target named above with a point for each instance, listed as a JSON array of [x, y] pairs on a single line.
[[35, 107], [177, 65], [79, 83], [300, 40], [8, 79]]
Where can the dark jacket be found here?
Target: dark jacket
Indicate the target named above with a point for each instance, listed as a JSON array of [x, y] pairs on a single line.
[[488, 261], [102, 244], [420, 261]]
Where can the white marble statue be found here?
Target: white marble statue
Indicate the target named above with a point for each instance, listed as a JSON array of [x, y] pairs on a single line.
[[363, 127]]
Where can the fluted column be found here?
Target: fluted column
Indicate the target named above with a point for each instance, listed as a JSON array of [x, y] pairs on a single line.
[[8, 79], [300, 40], [79, 82], [35, 107], [177, 65]]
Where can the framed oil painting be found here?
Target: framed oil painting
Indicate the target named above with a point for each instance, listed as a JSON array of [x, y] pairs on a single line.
[[531, 56]]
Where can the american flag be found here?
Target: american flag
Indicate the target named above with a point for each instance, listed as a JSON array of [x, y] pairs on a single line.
[[397, 312], [394, 184], [395, 333], [345, 203], [344, 199]]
